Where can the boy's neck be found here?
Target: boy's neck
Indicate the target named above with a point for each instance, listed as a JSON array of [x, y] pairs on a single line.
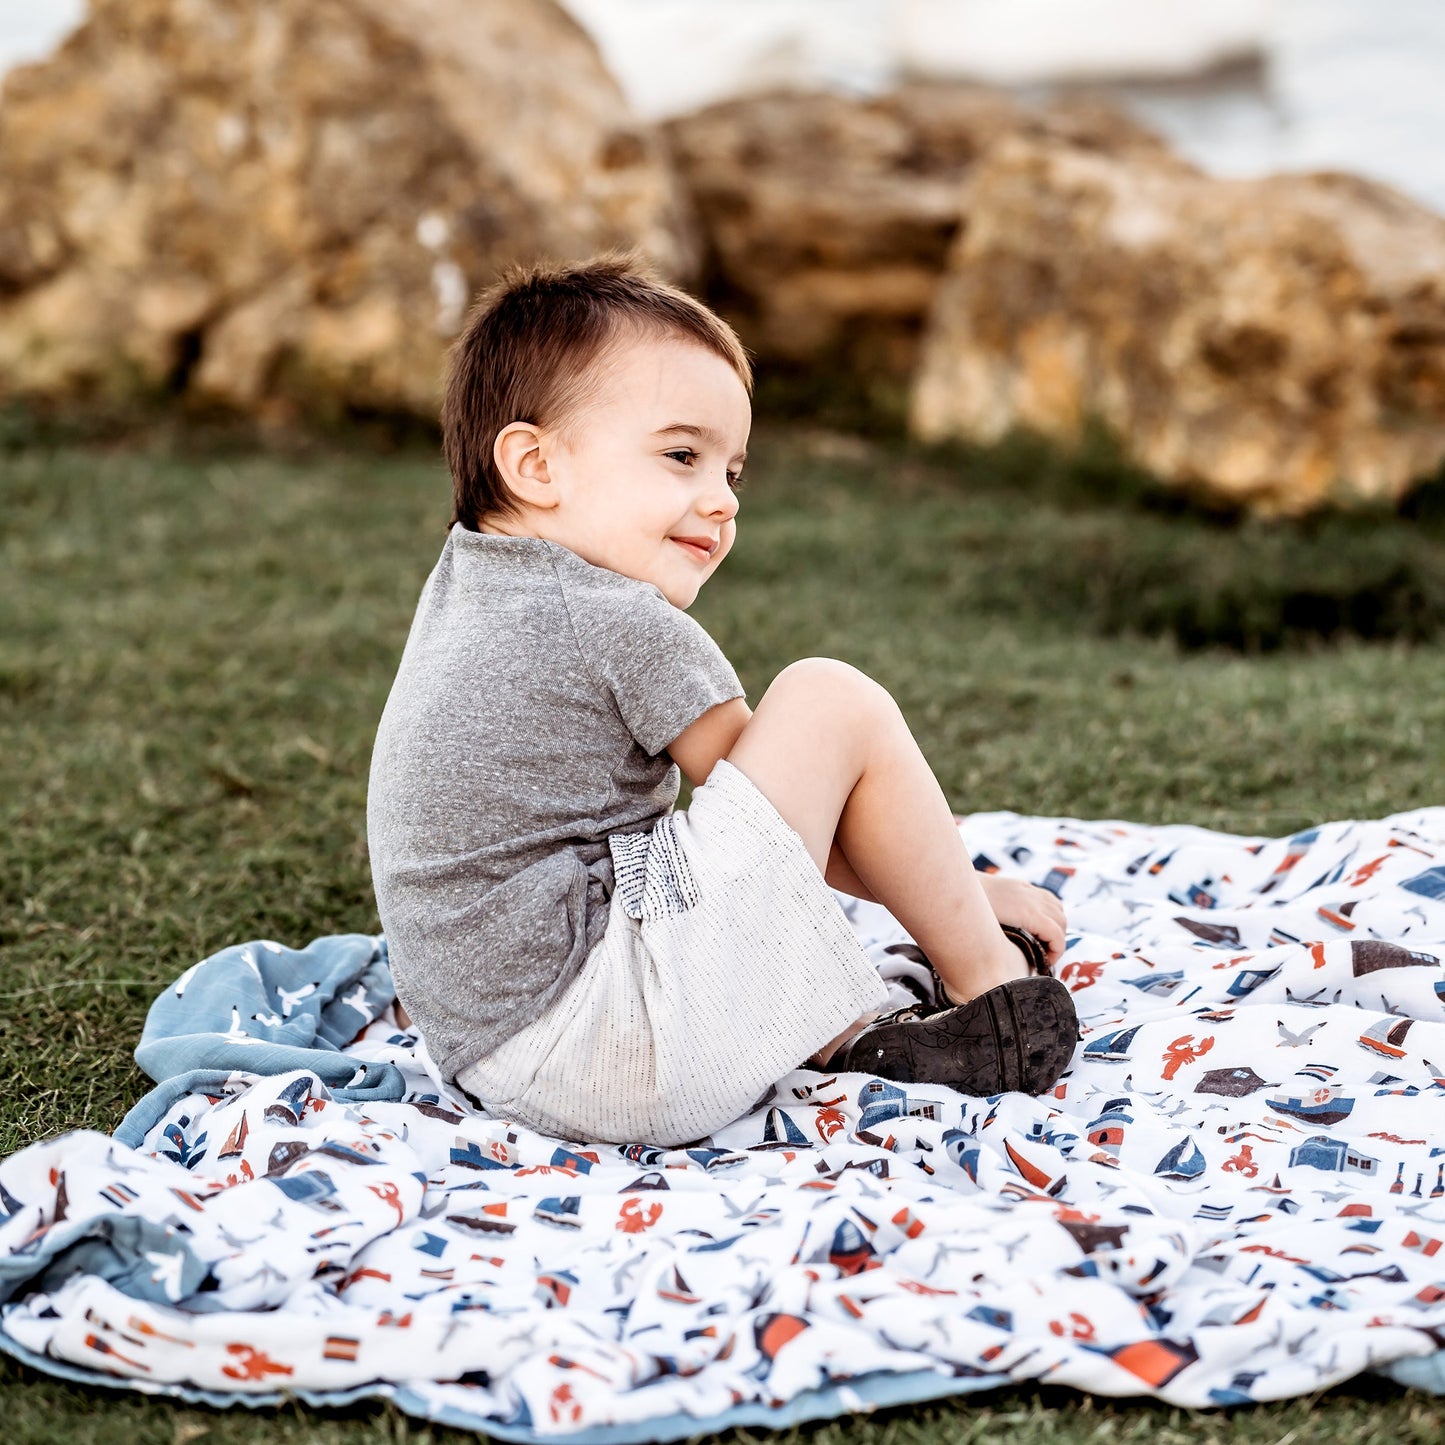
[[493, 530]]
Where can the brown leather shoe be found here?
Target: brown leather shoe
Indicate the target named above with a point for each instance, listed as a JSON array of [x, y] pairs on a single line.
[[1017, 1037]]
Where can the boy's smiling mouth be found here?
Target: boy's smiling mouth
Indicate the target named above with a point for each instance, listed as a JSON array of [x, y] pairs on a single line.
[[700, 547]]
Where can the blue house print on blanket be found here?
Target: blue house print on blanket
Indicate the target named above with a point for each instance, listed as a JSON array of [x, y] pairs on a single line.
[[1429, 884], [314, 1187], [881, 1100], [1334, 1155]]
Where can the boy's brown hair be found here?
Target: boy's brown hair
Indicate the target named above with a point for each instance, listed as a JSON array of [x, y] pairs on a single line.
[[528, 352]]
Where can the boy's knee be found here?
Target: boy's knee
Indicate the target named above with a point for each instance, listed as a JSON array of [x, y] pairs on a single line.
[[834, 683]]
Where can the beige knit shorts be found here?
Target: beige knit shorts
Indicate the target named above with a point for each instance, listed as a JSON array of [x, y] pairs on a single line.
[[727, 962]]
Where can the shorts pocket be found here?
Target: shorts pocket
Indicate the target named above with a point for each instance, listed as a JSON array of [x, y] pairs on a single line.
[[651, 874]]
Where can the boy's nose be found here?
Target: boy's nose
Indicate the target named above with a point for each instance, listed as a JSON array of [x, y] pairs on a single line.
[[722, 499]]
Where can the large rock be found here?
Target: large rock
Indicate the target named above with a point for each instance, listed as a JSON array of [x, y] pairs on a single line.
[[259, 202], [1278, 342], [829, 219]]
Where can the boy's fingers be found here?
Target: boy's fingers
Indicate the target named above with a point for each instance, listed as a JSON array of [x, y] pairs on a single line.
[[1054, 909], [1053, 937]]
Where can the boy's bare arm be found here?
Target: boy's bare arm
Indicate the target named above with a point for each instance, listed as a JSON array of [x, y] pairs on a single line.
[[698, 747]]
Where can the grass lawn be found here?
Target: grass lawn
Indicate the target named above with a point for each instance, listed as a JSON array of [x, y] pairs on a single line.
[[194, 652]]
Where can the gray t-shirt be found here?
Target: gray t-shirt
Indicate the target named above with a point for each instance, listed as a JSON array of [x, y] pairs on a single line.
[[529, 720]]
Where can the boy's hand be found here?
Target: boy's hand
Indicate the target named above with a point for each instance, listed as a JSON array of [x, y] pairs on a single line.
[[1026, 905]]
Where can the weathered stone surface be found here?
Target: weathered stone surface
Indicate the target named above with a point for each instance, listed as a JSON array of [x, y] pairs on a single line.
[[1279, 342], [264, 203], [829, 219]]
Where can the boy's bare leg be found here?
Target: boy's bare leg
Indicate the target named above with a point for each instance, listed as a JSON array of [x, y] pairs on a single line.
[[832, 752]]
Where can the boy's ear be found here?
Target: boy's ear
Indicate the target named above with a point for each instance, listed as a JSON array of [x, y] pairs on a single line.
[[518, 454]]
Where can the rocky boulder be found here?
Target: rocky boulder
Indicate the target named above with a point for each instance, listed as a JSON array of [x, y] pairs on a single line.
[[829, 219], [263, 204], [1279, 343]]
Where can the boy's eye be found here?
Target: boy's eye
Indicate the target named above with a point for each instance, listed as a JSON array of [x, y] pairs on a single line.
[[686, 456]]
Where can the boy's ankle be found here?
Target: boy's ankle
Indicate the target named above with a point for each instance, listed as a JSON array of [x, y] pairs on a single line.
[[1009, 962]]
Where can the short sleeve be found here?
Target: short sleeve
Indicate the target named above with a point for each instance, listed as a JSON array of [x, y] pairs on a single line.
[[659, 664]]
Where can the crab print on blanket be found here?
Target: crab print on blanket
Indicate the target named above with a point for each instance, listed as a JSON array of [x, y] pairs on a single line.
[[1236, 1193]]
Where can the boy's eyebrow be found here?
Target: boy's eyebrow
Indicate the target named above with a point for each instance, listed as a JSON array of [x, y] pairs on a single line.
[[702, 433]]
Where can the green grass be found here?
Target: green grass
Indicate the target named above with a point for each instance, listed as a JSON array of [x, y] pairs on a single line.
[[195, 649]]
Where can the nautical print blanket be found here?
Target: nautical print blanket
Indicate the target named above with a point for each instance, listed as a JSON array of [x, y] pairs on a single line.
[[1237, 1193]]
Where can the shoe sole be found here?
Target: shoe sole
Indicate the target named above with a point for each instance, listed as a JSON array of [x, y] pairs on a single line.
[[1017, 1038]]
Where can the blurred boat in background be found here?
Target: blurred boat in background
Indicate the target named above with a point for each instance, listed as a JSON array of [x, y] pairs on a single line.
[[1027, 42]]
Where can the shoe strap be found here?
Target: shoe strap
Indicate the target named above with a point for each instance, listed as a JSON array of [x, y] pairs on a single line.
[[912, 1010], [1032, 947], [1034, 951]]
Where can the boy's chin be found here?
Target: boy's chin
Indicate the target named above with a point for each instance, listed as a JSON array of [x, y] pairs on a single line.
[[680, 593]]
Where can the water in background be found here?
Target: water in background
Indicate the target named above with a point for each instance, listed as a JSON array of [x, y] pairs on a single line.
[[1352, 85], [1243, 87], [30, 29]]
